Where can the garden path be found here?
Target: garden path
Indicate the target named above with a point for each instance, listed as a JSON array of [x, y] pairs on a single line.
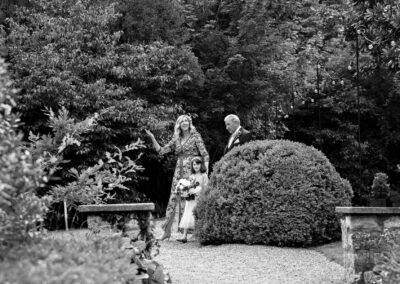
[[192, 263]]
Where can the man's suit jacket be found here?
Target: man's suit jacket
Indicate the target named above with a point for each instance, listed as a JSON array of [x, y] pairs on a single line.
[[242, 137]]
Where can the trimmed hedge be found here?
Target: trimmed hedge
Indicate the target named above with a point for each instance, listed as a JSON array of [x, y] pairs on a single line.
[[274, 192]]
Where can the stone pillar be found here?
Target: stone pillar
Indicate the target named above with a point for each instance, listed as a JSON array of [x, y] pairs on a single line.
[[362, 229]]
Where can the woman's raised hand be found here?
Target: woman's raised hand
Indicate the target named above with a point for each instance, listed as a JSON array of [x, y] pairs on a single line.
[[155, 143], [148, 132]]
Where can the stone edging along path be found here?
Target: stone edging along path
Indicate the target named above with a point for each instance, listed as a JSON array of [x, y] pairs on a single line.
[[192, 263]]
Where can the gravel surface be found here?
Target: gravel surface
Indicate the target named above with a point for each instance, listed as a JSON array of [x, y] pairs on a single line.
[[192, 263]]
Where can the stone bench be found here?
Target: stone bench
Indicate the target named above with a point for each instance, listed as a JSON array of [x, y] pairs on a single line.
[[362, 229], [140, 212]]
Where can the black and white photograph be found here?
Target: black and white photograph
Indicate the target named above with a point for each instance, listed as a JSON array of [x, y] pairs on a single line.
[[200, 141]]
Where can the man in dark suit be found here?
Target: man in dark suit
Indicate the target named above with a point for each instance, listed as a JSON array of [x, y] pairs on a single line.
[[239, 135]]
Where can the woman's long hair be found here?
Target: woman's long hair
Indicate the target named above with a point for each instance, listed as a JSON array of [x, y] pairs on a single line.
[[177, 128]]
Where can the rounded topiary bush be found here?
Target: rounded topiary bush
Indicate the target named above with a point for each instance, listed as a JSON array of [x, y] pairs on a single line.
[[273, 192]]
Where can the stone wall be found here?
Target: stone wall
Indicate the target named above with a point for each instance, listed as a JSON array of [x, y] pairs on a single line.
[[363, 239]]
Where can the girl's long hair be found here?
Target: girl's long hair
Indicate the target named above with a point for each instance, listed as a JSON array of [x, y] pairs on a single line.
[[200, 161], [177, 128]]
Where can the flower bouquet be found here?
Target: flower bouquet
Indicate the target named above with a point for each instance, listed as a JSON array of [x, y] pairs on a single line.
[[187, 189]]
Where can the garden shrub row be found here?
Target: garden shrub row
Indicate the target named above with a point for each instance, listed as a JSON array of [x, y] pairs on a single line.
[[94, 260], [272, 192]]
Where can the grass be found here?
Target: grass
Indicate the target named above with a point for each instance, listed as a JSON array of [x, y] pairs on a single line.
[[332, 251]]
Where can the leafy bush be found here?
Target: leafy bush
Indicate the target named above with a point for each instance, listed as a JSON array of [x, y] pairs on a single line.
[[97, 184], [151, 20], [21, 211], [273, 192], [388, 267], [91, 70], [49, 149], [94, 260], [380, 187], [114, 175], [89, 184]]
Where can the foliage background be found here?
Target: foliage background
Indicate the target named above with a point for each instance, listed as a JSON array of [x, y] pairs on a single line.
[[209, 58]]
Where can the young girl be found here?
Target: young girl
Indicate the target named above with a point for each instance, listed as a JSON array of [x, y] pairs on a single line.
[[198, 175]]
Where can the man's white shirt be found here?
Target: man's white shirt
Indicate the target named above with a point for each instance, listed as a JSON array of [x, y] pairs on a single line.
[[233, 136]]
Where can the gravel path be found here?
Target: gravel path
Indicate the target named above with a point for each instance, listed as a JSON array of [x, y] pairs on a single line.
[[192, 263]]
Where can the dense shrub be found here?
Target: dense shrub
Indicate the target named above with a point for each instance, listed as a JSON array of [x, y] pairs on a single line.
[[21, 211], [112, 178], [90, 71], [151, 20], [380, 187], [388, 265], [92, 260], [87, 185], [273, 192]]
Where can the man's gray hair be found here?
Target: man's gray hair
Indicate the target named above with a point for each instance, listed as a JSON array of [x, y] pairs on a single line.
[[233, 118]]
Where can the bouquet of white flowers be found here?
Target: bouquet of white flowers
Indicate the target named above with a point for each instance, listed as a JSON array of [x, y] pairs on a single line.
[[187, 189]]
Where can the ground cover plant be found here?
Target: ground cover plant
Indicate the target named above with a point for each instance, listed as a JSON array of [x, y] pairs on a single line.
[[273, 192]]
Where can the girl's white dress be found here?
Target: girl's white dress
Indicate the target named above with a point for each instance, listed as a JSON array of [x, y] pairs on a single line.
[[187, 220]]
